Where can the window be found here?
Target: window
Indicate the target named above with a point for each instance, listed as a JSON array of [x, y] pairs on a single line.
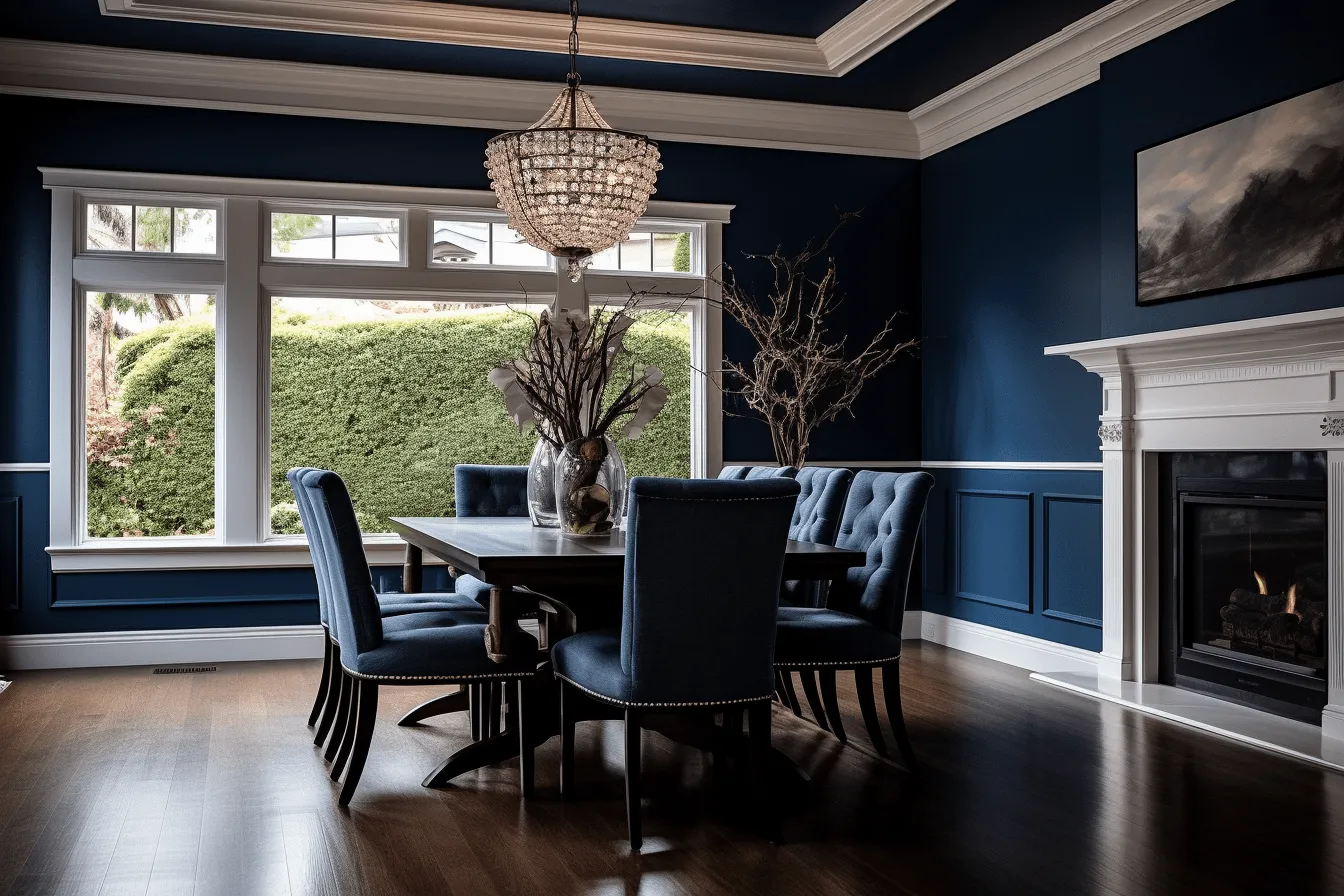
[[198, 370], [116, 227], [662, 251], [149, 414], [336, 237], [482, 242]]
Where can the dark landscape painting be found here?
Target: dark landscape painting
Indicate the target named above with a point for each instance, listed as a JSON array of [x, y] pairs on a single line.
[[1257, 198]]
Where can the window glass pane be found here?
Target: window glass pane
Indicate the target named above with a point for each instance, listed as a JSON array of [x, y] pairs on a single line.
[[108, 227], [149, 401], [152, 226], [635, 253], [363, 238], [392, 395], [461, 242], [297, 235], [511, 250], [606, 260], [195, 231], [672, 252]]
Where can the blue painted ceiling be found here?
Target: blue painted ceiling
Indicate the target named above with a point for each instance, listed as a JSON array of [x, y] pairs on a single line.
[[958, 43], [797, 18]]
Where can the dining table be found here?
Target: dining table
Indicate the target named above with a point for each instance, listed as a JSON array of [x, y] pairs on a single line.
[[567, 583]]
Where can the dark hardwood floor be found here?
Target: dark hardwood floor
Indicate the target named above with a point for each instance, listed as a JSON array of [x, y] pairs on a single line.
[[120, 781]]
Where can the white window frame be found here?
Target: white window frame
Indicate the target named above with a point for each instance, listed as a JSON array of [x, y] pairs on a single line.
[[87, 198], [243, 278], [336, 209], [653, 225], [472, 217]]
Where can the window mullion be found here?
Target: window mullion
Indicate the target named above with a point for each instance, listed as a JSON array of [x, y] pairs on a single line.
[[239, 485]]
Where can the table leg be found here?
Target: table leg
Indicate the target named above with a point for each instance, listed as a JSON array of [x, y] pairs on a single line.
[[412, 570]]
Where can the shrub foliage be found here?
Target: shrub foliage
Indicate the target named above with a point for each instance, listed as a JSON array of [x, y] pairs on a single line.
[[392, 405]]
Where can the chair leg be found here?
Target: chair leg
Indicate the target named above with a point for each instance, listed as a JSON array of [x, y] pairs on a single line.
[[367, 701], [789, 696], [477, 701], [342, 717], [568, 713], [863, 684], [891, 691], [758, 721], [496, 698], [526, 757], [827, 678], [632, 798], [809, 680], [333, 697], [352, 687], [324, 684]]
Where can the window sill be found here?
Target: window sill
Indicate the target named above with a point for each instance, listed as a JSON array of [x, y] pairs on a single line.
[[147, 555]]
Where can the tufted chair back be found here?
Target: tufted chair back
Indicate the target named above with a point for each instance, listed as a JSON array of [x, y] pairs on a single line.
[[816, 518], [714, 642], [353, 604], [295, 479], [490, 490], [758, 472], [882, 517]]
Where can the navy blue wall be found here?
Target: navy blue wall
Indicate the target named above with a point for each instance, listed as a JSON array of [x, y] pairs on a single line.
[[1028, 241], [782, 198]]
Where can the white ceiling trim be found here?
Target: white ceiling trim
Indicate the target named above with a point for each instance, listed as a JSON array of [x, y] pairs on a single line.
[[1058, 65], [77, 71], [865, 31]]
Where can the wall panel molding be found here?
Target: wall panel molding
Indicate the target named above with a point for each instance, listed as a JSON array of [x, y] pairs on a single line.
[[11, 552], [1048, 500], [149, 77], [962, 588]]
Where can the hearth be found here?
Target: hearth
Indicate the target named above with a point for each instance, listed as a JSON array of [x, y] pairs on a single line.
[[1244, 603]]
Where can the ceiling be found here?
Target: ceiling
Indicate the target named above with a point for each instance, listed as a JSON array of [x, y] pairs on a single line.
[[951, 42], [795, 18]]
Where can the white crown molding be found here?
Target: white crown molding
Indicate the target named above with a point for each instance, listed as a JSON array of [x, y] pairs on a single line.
[[42, 467], [160, 648], [870, 29], [1060, 64], [867, 30], [76, 71]]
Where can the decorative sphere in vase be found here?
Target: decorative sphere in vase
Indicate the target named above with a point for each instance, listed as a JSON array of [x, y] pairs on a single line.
[[590, 487]]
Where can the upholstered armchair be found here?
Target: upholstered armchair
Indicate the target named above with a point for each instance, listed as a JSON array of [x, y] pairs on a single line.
[[679, 647], [418, 648], [860, 628], [749, 473]]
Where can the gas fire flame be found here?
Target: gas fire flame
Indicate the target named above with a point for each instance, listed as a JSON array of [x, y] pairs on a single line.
[[1260, 580], [1292, 601]]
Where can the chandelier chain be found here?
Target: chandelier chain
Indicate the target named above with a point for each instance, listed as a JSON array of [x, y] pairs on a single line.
[[573, 43]]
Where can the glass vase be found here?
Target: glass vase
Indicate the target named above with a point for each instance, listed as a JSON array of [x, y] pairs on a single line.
[[541, 485], [590, 487]]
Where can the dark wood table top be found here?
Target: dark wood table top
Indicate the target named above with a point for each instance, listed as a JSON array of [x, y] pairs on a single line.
[[511, 551]]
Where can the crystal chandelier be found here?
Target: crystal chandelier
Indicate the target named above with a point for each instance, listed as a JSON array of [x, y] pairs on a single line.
[[571, 184]]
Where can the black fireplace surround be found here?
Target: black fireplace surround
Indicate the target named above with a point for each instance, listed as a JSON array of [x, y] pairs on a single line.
[[1244, 590]]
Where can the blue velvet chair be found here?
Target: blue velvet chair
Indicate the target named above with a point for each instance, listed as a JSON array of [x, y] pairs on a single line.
[[752, 473], [860, 628], [410, 649], [326, 706], [487, 490], [816, 519], [683, 647]]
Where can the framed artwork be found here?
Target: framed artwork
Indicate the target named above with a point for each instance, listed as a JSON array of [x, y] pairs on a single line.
[[1253, 199]]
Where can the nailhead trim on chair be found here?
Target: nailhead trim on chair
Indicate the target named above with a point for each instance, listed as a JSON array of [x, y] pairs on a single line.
[[846, 664], [615, 702], [447, 679]]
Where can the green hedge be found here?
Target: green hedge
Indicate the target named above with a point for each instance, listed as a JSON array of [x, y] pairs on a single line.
[[390, 405]]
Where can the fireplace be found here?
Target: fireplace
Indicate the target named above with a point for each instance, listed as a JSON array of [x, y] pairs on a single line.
[[1245, 590]]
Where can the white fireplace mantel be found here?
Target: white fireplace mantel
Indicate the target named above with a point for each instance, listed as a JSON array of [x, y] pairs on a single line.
[[1271, 384]]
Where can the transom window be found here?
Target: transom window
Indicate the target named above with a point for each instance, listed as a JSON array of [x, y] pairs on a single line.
[[201, 368]]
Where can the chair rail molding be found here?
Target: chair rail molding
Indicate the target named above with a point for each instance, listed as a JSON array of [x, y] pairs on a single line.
[[873, 26], [34, 467], [153, 77]]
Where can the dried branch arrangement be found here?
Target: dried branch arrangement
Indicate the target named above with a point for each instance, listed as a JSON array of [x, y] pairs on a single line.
[[559, 385], [801, 376]]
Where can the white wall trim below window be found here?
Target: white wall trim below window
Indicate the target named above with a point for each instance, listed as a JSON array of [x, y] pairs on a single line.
[[195, 646], [41, 467], [109, 555]]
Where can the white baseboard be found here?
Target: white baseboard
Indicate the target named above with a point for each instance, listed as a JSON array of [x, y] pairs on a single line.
[[158, 648], [1022, 651]]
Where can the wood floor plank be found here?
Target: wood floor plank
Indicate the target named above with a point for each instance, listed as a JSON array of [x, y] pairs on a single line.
[[118, 782]]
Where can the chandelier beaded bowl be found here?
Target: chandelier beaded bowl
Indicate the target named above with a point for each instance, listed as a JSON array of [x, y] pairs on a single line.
[[571, 184]]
